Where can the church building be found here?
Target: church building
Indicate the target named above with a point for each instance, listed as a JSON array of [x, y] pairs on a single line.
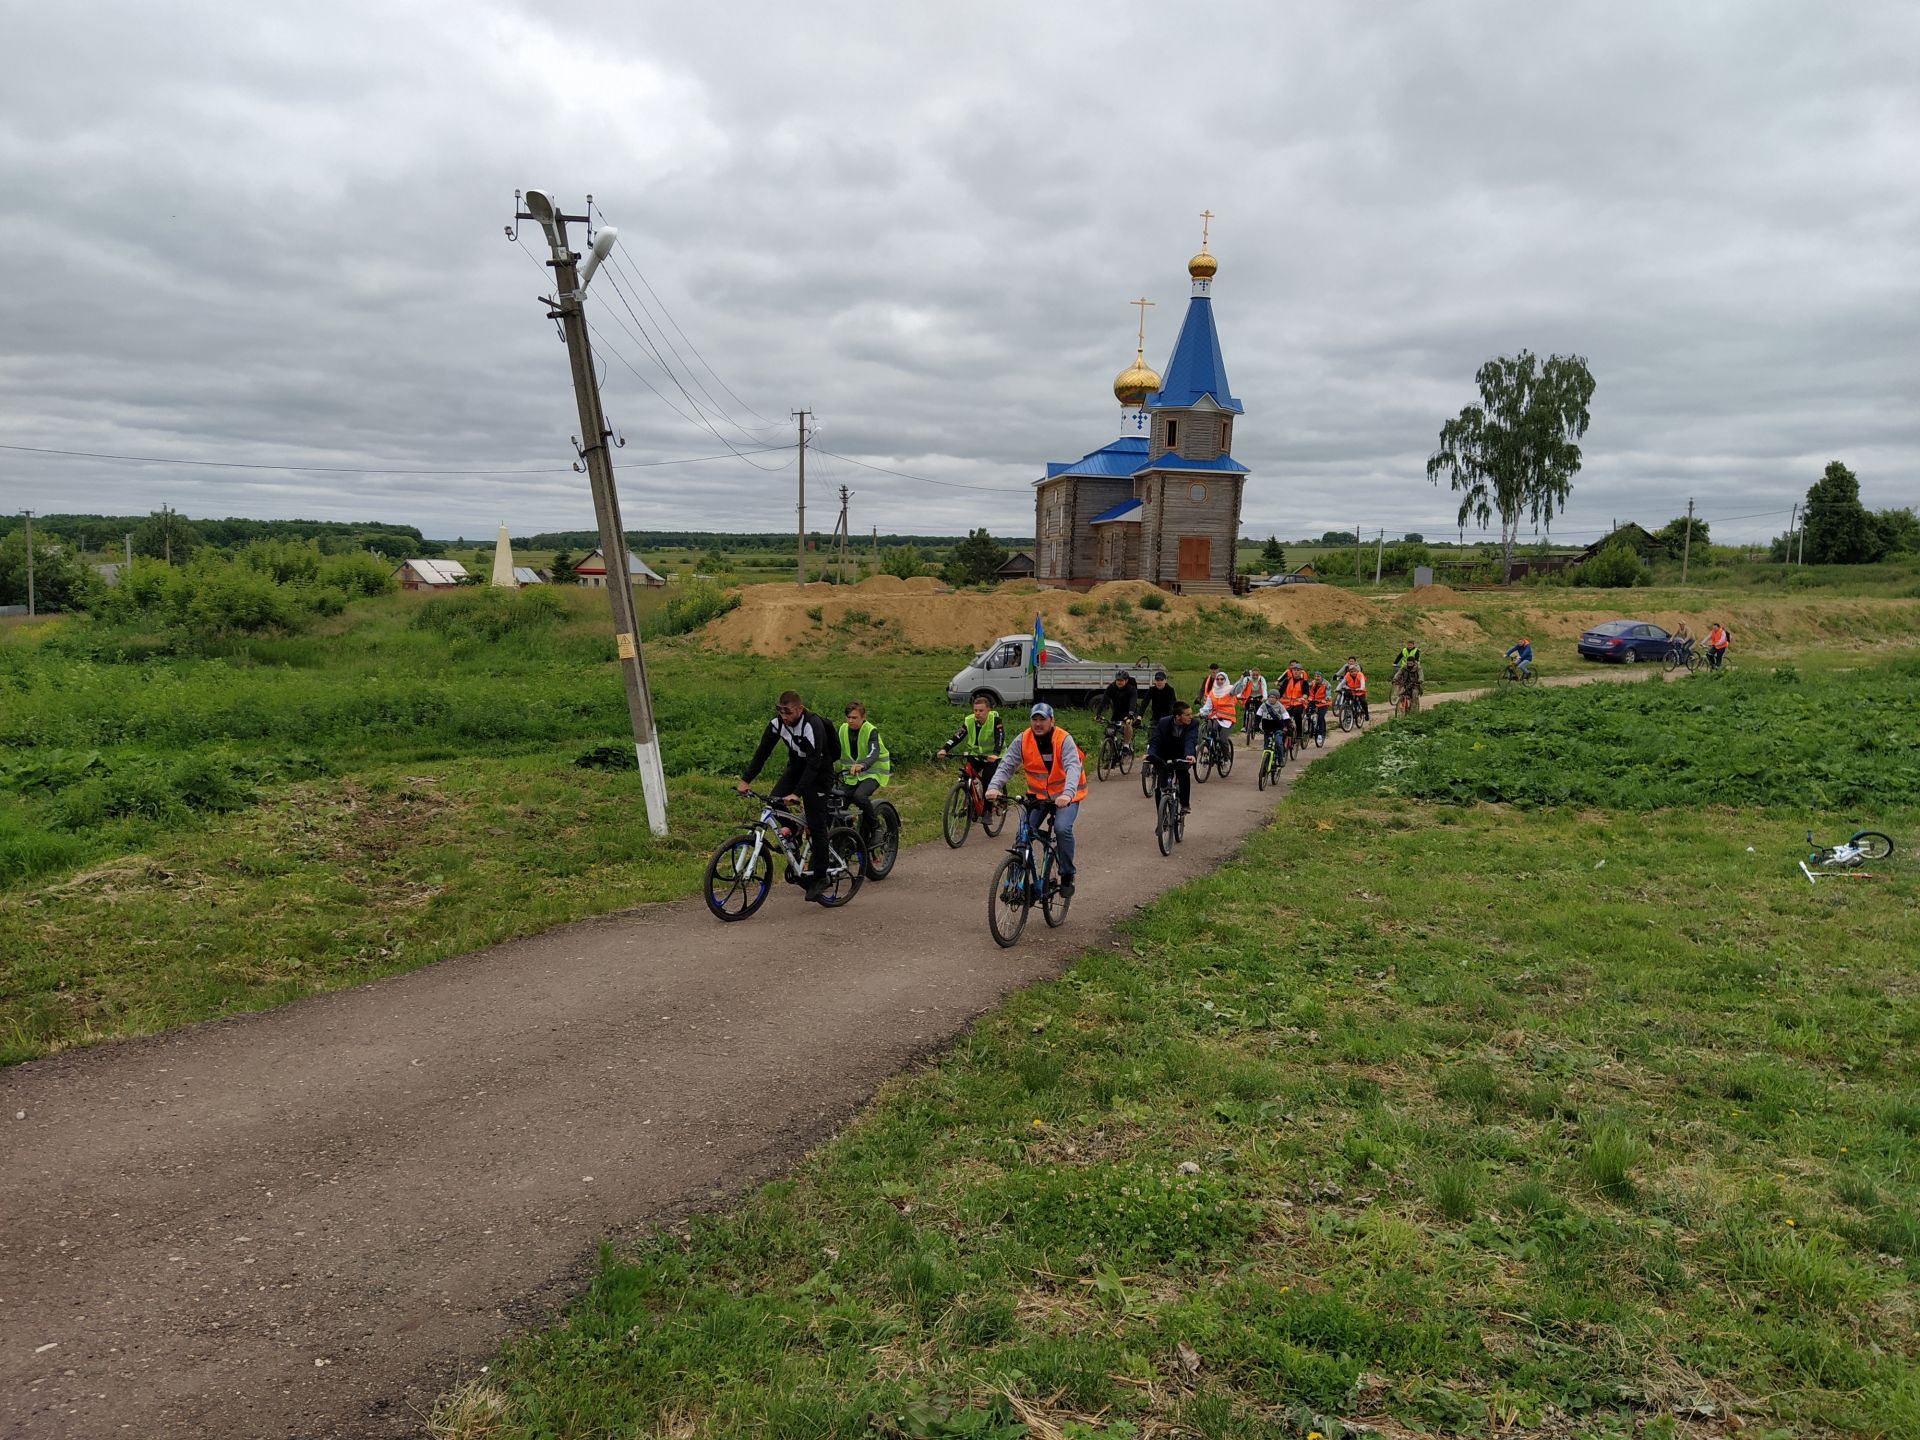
[[1162, 502]]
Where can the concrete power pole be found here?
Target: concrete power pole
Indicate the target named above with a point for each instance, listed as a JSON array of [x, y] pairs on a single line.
[[1793, 526], [840, 535], [800, 553], [1379, 554], [1686, 550], [568, 307], [32, 609], [1359, 575]]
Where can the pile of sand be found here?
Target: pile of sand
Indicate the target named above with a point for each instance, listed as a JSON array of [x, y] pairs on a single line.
[[1431, 594], [1299, 607], [1450, 627], [891, 584]]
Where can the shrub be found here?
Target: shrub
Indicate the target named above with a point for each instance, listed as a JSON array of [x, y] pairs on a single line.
[[1153, 600], [1615, 567], [688, 608], [490, 614], [1080, 609]]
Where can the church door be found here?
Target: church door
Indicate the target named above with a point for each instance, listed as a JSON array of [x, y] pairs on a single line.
[[1196, 557]]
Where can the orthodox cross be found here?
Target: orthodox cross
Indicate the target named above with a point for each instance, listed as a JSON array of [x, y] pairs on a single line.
[[1143, 303], [1206, 226]]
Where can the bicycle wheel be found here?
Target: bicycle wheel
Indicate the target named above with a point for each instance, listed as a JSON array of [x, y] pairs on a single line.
[[846, 867], [1107, 760], [1126, 759], [1203, 761], [1166, 813], [738, 880], [1693, 662], [993, 819], [1266, 768], [1008, 901], [1179, 821], [956, 817], [882, 840], [1871, 844], [1320, 734], [1225, 761], [1673, 659], [1053, 904], [1504, 680]]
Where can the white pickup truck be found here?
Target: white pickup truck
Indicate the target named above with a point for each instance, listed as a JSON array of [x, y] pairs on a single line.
[[1000, 673]]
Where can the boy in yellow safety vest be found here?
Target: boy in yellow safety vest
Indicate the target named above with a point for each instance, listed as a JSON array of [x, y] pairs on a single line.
[[865, 766]]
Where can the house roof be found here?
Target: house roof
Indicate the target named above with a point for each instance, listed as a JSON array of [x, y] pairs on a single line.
[[1219, 465], [1019, 559], [1127, 511], [1196, 368], [526, 575], [1117, 459], [637, 568], [435, 572]]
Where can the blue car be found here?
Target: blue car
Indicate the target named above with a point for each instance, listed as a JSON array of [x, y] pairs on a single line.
[[1625, 640]]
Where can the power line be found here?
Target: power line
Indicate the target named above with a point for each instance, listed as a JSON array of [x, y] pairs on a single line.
[[343, 469], [923, 479]]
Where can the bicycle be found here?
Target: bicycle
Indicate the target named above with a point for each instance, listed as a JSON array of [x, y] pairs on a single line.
[[1169, 824], [1115, 754], [1026, 876], [1347, 707], [1273, 758], [1717, 662], [967, 802], [1860, 846], [881, 835], [1319, 726], [740, 873], [1216, 752], [1247, 707], [1406, 692], [1512, 675], [1682, 655]]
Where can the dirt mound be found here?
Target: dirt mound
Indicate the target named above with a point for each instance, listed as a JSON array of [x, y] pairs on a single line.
[[1450, 627], [891, 584], [922, 584], [1432, 592], [1128, 590], [1299, 607]]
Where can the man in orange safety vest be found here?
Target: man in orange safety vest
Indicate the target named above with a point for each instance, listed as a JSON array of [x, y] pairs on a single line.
[[1052, 764]]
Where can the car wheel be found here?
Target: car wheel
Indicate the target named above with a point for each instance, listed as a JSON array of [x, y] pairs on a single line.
[[1632, 657]]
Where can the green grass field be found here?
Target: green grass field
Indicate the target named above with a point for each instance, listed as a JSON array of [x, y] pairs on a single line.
[[1424, 1114]]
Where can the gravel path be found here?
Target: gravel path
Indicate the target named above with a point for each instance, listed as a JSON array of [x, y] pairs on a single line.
[[310, 1222]]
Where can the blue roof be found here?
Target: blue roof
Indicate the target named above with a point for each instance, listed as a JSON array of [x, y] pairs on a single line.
[[1220, 464], [1117, 459], [1196, 368], [1125, 510]]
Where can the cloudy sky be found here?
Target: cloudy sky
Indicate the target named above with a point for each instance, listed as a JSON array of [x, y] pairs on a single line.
[[272, 235]]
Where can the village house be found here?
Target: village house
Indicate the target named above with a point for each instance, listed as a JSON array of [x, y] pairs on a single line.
[[429, 574], [593, 570]]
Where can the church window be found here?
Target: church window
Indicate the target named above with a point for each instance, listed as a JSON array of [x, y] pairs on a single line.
[[1172, 430], [1197, 493], [1226, 436]]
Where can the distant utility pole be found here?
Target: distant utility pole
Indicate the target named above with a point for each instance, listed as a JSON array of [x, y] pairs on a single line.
[[31, 610], [568, 307], [840, 534], [1359, 575], [129, 552], [1793, 527], [1686, 550], [800, 553], [1379, 554]]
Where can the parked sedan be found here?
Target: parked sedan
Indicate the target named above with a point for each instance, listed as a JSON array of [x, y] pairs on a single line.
[[1625, 640]]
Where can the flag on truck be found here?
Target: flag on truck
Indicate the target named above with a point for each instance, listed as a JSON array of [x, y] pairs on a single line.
[[1039, 656]]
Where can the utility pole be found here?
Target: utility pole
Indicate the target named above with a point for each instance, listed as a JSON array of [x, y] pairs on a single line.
[[1359, 576], [1686, 551], [568, 307], [1379, 554], [31, 610], [1793, 528], [129, 539], [800, 552], [166, 532], [840, 535]]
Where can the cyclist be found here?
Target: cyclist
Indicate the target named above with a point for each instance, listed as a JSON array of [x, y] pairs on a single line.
[[1353, 680], [1272, 719], [1159, 698], [1520, 658], [982, 736], [1406, 669], [1174, 740], [812, 749], [1051, 761], [865, 766], [1318, 701], [1293, 695], [1217, 700], [1118, 702], [1683, 637], [1252, 689], [1717, 641]]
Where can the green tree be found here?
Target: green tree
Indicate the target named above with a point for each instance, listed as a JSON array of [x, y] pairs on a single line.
[[166, 535], [61, 579], [975, 560], [1414, 537], [901, 560], [1514, 454], [1673, 534], [1896, 532], [562, 568], [1273, 553], [1839, 530], [1615, 567], [1337, 537]]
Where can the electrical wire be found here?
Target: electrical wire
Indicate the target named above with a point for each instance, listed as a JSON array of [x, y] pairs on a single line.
[[923, 479], [350, 469]]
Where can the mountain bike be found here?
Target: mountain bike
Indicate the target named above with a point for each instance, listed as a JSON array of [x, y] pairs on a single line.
[[1860, 846], [1347, 707], [1115, 753], [1273, 758], [967, 802], [1406, 691], [1169, 825], [1317, 716], [1216, 752], [741, 871], [1027, 876], [1682, 654], [1247, 727], [1716, 661], [881, 835], [1511, 676]]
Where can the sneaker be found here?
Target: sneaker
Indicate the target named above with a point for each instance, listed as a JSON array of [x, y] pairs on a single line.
[[1066, 888], [815, 889], [1186, 809]]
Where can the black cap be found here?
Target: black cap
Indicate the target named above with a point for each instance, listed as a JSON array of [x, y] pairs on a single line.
[[1159, 674]]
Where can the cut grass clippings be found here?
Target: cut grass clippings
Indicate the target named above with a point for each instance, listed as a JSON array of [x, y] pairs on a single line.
[[1451, 1119]]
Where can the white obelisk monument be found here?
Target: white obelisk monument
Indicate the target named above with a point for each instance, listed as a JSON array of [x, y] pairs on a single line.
[[503, 561]]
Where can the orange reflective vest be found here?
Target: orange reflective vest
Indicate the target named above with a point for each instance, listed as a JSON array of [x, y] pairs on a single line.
[[1356, 681], [1225, 706], [1050, 781], [1716, 638], [1293, 690], [1317, 695]]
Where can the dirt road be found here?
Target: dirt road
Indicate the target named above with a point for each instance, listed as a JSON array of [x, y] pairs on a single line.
[[309, 1222]]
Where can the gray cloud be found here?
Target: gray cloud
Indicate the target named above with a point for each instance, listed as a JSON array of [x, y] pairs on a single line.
[[272, 234]]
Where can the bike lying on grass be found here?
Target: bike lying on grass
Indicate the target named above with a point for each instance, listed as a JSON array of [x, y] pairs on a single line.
[[1027, 877], [741, 871], [1856, 849]]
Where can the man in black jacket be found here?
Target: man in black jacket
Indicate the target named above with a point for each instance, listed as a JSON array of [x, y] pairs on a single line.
[[1159, 699], [1175, 740], [812, 749]]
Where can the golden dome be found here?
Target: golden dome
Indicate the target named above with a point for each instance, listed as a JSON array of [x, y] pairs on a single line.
[[1133, 384], [1202, 266]]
